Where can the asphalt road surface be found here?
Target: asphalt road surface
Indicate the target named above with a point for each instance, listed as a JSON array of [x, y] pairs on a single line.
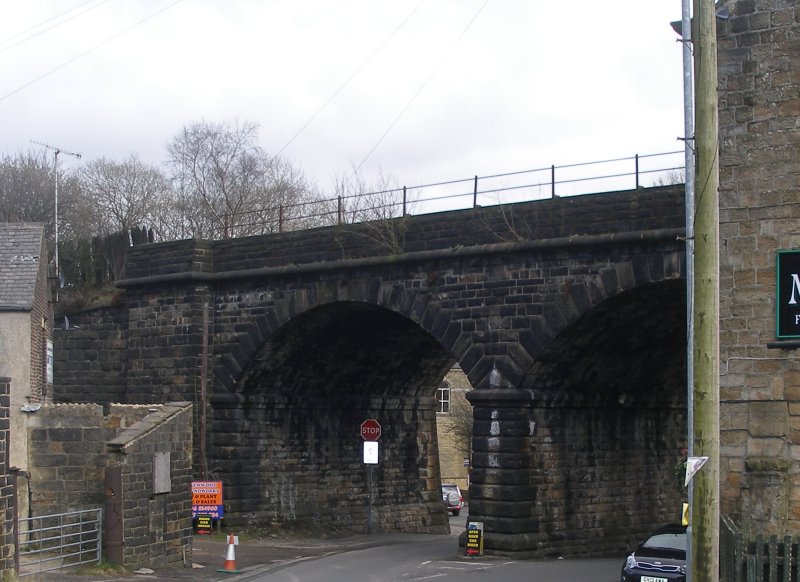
[[435, 560]]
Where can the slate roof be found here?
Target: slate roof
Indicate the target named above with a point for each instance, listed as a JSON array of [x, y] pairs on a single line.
[[20, 249]]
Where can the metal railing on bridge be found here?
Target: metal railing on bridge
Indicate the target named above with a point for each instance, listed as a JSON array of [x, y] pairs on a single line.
[[62, 540], [538, 183]]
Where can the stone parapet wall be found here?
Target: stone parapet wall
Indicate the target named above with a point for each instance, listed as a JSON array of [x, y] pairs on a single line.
[[628, 211]]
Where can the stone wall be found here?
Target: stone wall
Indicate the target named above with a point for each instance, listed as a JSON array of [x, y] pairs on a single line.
[[91, 357], [155, 456], [73, 446], [629, 211], [68, 453], [7, 493], [759, 55], [300, 351], [551, 479]]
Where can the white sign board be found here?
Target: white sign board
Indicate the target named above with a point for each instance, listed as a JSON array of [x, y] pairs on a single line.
[[370, 452]]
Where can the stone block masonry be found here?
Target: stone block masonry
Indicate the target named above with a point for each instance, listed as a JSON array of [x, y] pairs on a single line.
[[309, 333], [72, 446], [759, 56], [156, 523]]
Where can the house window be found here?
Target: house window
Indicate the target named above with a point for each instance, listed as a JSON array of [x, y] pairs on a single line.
[[443, 397]]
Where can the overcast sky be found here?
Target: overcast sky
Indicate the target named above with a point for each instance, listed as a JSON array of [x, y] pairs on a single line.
[[426, 90]]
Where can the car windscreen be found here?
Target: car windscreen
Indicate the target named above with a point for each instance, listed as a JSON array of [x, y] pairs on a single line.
[[667, 541]]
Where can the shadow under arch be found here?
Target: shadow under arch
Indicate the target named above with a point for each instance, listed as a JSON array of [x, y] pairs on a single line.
[[629, 348], [604, 421], [296, 459]]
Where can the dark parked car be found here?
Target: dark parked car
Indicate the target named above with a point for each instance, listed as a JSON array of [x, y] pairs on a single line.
[[659, 558], [451, 495]]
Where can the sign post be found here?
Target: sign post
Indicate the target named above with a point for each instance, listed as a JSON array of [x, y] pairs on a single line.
[[370, 432]]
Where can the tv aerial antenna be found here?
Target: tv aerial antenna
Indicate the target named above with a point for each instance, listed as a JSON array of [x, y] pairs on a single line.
[[56, 151]]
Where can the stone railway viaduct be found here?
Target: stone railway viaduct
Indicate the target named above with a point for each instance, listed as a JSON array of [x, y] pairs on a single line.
[[567, 315], [578, 304]]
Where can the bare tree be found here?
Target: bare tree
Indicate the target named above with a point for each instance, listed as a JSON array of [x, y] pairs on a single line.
[[27, 189], [122, 195], [382, 205], [458, 425], [226, 186]]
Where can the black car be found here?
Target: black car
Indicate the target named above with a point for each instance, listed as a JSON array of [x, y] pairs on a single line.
[[659, 558]]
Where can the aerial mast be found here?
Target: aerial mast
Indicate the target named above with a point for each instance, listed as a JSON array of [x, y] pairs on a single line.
[[56, 151]]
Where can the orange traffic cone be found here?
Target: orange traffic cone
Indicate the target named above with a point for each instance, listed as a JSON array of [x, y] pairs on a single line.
[[230, 558]]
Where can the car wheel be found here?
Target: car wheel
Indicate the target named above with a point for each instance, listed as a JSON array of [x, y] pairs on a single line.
[[456, 512]]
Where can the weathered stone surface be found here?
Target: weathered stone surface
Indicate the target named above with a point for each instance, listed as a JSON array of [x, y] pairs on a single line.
[[759, 207], [310, 333]]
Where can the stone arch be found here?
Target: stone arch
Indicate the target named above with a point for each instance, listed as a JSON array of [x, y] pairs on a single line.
[[298, 404], [605, 394], [563, 299]]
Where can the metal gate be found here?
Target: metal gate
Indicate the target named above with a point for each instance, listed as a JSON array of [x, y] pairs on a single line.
[[61, 540]]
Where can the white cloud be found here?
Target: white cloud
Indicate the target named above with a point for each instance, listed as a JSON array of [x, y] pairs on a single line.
[[529, 83]]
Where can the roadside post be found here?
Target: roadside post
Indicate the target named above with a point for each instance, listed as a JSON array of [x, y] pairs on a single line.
[[370, 432]]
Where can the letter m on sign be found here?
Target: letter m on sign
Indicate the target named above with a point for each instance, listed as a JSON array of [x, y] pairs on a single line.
[[787, 300]]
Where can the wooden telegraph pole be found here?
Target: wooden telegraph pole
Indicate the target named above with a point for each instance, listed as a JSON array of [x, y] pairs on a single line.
[[705, 498]]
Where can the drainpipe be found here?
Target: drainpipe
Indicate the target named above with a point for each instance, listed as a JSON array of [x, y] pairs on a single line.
[[15, 472]]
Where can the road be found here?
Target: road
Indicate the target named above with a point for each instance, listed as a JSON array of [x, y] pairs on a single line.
[[434, 558]]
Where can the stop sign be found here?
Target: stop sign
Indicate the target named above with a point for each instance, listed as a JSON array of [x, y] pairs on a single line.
[[370, 430]]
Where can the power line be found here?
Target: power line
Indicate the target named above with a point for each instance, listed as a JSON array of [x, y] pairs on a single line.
[[86, 52], [350, 78], [59, 15], [418, 92]]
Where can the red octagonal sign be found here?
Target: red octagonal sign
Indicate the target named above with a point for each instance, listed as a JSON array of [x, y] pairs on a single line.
[[370, 430]]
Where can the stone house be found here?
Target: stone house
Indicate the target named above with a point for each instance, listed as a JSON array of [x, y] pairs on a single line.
[[26, 327], [759, 55]]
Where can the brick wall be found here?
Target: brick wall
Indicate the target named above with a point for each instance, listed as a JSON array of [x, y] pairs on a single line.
[[759, 55], [41, 331]]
